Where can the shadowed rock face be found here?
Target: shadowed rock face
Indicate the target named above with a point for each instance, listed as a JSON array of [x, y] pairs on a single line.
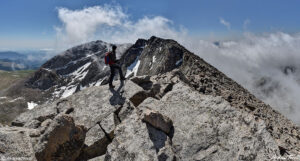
[[132, 54], [179, 108], [57, 139], [61, 140], [45, 79], [160, 56]]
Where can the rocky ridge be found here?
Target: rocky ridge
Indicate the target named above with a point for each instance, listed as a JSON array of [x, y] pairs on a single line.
[[187, 110]]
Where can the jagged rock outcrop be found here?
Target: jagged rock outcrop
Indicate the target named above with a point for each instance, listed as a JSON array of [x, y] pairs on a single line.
[[131, 56], [57, 139], [177, 107], [153, 62], [157, 120], [60, 139], [155, 57]]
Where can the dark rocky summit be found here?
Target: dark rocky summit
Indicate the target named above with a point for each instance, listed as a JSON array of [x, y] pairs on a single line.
[[174, 106]]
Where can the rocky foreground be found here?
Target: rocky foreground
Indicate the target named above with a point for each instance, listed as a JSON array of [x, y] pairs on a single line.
[[145, 118], [177, 108]]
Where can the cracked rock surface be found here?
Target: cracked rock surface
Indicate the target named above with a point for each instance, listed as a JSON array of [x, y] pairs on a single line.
[[174, 122], [208, 128]]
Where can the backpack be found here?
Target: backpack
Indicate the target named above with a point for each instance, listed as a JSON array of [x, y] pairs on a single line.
[[107, 58]]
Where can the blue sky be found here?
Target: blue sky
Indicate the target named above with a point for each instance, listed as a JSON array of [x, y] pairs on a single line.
[[31, 23]]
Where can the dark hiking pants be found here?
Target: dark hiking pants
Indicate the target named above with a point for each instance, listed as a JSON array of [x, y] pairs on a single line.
[[113, 71]]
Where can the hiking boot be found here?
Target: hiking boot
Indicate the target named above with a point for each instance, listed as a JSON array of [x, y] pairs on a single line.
[[111, 86]]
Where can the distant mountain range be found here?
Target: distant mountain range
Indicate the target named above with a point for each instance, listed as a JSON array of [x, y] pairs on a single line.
[[11, 55], [10, 60]]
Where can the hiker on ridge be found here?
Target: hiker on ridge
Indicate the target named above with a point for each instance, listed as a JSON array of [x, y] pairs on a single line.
[[111, 60]]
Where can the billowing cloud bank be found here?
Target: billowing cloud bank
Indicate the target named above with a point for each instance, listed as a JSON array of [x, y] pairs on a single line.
[[267, 65]]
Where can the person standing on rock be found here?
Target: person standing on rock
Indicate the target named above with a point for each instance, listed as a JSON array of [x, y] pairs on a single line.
[[111, 60]]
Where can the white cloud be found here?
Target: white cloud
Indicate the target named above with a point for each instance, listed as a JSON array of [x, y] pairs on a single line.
[[80, 25], [225, 23], [108, 23]]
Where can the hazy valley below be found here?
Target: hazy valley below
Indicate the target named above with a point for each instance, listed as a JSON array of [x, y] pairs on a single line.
[[27, 60]]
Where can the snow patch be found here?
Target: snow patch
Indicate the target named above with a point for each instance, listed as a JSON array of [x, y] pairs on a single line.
[[80, 73], [68, 92], [104, 67], [99, 82], [58, 91], [77, 75], [82, 87], [178, 62], [153, 59], [47, 69], [19, 98], [31, 105], [133, 68]]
